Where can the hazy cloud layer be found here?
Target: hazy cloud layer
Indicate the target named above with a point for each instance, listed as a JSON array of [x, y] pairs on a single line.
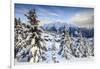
[[83, 19]]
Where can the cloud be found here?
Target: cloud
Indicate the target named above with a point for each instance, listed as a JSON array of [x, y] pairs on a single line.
[[83, 19], [46, 16], [21, 11], [46, 13]]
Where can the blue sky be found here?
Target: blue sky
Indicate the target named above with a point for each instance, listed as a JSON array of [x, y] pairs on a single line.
[[49, 14]]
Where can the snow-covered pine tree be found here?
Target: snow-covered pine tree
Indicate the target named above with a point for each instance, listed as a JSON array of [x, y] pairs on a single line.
[[54, 51], [32, 17], [65, 50], [17, 38], [81, 46], [17, 22], [37, 47]]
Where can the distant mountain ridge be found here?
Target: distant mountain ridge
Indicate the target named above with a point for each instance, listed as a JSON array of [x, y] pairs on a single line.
[[73, 29]]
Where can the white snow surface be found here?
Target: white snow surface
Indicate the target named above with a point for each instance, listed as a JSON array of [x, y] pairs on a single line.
[[53, 42]]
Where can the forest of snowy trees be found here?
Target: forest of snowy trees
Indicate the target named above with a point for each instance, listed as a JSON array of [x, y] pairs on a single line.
[[33, 44]]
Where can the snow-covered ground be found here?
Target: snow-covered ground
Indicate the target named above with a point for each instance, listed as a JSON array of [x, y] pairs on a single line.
[[54, 40], [53, 47]]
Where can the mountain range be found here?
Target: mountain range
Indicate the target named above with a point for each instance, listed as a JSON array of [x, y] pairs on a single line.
[[73, 29]]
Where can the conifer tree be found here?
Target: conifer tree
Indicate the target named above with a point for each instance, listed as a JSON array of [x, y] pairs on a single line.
[[32, 18]]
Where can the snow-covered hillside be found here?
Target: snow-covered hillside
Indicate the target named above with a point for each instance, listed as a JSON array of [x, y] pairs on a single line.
[[51, 47]]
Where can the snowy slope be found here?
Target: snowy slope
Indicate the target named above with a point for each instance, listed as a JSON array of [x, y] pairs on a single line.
[[53, 47]]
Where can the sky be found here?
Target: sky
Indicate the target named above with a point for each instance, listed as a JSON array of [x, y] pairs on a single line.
[[80, 16]]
